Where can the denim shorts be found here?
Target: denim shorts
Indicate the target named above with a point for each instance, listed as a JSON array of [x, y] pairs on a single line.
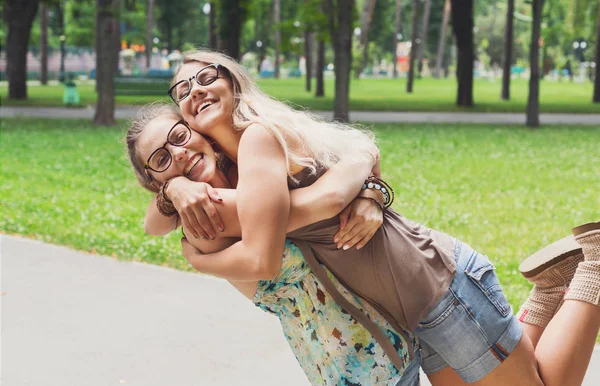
[[472, 329], [410, 376]]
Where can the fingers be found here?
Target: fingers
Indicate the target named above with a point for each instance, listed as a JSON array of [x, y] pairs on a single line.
[[213, 194], [193, 226], [361, 243], [344, 216], [353, 230], [213, 216]]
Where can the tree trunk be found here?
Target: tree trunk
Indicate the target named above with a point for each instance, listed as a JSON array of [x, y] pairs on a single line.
[[107, 59], [462, 25], [18, 15], [442, 43], [149, 25], [308, 48], [367, 18], [340, 21], [596, 98], [231, 18], [397, 18], [277, 22], [212, 30], [424, 30], [320, 86], [44, 43], [533, 101], [413, 46], [508, 42]]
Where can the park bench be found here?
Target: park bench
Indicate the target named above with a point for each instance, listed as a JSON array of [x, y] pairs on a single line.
[[155, 82]]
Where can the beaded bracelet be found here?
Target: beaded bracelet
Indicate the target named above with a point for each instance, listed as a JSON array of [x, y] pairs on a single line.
[[163, 203], [378, 184]]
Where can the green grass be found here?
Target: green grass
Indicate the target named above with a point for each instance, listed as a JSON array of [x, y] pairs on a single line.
[[375, 95], [507, 191]]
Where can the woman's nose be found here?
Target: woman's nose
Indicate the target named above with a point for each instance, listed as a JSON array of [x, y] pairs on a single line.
[[197, 90], [179, 152]]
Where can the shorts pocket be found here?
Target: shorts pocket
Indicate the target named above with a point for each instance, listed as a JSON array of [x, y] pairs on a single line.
[[482, 273]]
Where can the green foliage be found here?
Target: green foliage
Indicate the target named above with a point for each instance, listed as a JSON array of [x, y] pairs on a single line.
[[506, 191], [375, 95]]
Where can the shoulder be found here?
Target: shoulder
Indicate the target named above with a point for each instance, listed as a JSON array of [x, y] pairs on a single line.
[[256, 137], [257, 132]]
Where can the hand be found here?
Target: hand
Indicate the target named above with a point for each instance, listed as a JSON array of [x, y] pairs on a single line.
[[194, 203], [191, 254], [358, 223]]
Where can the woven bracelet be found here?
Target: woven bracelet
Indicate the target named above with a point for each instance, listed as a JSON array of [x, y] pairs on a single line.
[[163, 203], [378, 184]]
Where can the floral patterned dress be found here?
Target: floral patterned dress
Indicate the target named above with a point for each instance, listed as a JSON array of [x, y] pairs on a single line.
[[330, 345]]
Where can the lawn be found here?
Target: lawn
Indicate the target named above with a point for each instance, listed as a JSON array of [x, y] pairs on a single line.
[[375, 95], [505, 190]]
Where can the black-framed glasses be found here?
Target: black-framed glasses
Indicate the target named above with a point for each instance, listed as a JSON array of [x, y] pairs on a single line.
[[161, 158], [204, 77]]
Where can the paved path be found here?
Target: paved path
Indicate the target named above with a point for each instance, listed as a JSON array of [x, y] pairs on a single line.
[[72, 318], [362, 116]]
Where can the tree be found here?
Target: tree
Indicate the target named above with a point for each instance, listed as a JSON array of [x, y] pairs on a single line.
[[107, 59], [44, 43], [212, 28], [308, 49], [277, 40], [365, 25], [508, 41], [18, 15], [397, 19], [424, 31], [596, 97], [320, 84], [533, 101], [231, 15], [462, 25], [149, 27], [442, 43], [340, 22], [413, 46]]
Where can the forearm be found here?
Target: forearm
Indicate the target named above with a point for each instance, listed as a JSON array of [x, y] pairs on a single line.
[[156, 224], [330, 194]]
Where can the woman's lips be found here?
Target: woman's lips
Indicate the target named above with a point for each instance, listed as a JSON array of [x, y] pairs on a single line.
[[192, 163]]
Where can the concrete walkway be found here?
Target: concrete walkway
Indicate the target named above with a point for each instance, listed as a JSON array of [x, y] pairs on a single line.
[[362, 116], [72, 318]]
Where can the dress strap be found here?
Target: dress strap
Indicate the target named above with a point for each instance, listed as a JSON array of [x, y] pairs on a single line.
[[363, 319]]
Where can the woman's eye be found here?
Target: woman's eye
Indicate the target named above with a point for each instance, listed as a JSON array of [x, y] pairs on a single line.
[[163, 160]]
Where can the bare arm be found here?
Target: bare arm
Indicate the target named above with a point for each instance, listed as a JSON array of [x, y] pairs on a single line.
[[263, 210], [327, 197]]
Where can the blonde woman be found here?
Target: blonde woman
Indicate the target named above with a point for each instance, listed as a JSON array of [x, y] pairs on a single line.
[[332, 346], [407, 272]]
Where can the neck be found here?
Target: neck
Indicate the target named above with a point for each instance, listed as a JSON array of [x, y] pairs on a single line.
[[219, 180], [228, 140]]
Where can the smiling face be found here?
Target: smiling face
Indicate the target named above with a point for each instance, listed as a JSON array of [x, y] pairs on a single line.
[[195, 160], [206, 108]]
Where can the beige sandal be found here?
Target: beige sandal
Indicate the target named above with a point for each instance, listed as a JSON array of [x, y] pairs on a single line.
[[549, 256]]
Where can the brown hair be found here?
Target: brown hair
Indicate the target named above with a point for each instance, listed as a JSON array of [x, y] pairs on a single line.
[[137, 126]]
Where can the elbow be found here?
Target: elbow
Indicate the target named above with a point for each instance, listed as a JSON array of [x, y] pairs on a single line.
[[151, 230], [336, 202], [267, 269]]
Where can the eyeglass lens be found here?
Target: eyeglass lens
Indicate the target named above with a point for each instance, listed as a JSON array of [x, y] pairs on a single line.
[[161, 158], [204, 77]]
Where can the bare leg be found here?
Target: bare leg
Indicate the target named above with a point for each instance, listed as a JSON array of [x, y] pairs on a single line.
[[533, 332], [564, 350], [446, 377]]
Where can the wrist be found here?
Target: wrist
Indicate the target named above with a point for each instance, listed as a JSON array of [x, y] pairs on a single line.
[[374, 195]]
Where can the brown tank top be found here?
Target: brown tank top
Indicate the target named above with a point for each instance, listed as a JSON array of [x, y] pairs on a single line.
[[402, 271]]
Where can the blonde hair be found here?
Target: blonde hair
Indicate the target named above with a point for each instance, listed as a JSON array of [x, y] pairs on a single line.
[[308, 141]]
